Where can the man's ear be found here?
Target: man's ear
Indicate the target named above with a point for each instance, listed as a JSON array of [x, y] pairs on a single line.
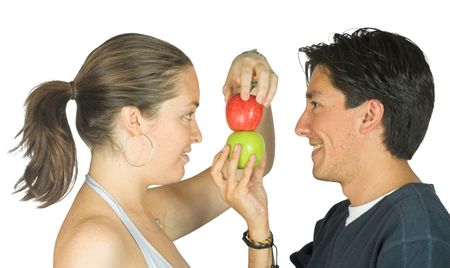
[[130, 118], [372, 119]]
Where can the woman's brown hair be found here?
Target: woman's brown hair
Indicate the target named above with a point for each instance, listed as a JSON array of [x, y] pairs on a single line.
[[127, 70]]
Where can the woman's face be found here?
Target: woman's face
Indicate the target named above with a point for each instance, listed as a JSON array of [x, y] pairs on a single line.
[[175, 130]]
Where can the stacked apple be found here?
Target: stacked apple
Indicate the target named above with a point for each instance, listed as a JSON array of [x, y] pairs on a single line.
[[243, 117]]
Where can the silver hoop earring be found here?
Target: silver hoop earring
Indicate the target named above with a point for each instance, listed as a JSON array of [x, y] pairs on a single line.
[[133, 163]]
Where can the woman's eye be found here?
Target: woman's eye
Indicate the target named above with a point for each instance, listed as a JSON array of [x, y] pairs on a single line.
[[314, 104], [189, 116]]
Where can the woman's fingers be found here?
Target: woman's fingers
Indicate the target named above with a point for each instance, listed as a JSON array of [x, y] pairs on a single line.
[[248, 171], [258, 172], [218, 165], [232, 168]]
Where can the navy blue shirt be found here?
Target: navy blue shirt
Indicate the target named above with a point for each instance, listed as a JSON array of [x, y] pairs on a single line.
[[408, 228]]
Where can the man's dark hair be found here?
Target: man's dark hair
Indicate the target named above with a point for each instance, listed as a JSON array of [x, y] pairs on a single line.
[[374, 64]]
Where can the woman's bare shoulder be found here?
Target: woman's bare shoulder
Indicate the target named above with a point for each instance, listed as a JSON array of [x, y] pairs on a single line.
[[92, 242]]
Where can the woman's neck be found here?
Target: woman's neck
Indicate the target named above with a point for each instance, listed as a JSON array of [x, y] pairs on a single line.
[[122, 181]]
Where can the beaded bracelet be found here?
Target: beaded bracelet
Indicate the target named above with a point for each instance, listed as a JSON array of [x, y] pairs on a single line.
[[266, 243]]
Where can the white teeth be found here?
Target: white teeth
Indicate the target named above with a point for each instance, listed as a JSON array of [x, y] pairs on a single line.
[[317, 146]]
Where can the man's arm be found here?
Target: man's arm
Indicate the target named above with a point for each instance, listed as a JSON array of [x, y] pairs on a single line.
[[187, 205]]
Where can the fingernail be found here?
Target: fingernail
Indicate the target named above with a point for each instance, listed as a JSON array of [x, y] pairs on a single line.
[[252, 157], [260, 99], [236, 148]]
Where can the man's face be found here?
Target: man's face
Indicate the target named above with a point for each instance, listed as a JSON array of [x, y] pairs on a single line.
[[332, 129]]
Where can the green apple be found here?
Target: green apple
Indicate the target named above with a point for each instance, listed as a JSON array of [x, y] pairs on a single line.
[[251, 143]]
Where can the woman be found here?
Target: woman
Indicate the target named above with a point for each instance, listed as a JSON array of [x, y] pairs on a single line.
[[136, 100]]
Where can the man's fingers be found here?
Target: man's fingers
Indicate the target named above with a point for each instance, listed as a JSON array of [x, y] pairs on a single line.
[[245, 81], [272, 89], [262, 85], [228, 87]]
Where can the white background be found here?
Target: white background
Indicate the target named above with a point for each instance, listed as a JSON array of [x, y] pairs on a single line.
[[49, 40]]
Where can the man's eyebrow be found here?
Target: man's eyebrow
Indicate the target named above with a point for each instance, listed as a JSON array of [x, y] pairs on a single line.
[[312, 93]]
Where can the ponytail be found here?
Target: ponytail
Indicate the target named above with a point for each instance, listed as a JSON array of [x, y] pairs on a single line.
[[49, 144]]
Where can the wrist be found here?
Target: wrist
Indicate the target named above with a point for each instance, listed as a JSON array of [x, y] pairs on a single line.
[[252, 52], [259, 232], [255, 53], [260, 246]]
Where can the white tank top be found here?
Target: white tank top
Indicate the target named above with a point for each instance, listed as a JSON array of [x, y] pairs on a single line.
[[152, 257]]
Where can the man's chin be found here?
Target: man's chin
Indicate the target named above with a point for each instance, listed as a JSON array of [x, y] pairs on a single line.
[[322, 177]]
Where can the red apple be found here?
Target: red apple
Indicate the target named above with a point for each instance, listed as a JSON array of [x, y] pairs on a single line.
[[243, 115], [251, 142]]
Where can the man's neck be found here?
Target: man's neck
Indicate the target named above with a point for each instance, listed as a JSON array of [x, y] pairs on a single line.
[[377, 179]]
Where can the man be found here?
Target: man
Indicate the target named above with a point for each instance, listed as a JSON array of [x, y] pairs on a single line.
[[370, 97]]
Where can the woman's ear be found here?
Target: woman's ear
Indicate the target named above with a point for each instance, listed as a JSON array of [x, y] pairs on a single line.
[[373, 116], [130, 118]]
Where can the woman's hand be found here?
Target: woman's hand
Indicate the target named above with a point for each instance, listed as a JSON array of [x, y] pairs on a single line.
[[241, 189], [247, 68]]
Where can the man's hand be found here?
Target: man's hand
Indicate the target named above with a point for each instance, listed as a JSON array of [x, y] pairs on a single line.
[[250, 73]]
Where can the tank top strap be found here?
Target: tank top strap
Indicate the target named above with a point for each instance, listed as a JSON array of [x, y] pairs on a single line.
[[152, 257]]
